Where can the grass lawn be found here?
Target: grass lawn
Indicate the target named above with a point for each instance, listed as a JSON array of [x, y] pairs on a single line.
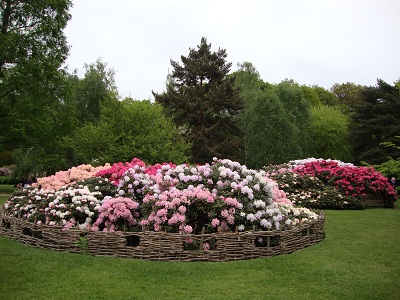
[[7, 189], [358, 259]]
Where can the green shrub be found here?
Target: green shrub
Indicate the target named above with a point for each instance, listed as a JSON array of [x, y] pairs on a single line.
[[7, 180]]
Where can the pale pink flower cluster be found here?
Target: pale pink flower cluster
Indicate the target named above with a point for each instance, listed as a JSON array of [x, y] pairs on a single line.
[[116, 213], [279, 195], [169, 209], [64, 178], [69, 224]]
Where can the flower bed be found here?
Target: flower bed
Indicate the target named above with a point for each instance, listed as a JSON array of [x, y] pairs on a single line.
[[331, 184], [164, 211], [164, 246]]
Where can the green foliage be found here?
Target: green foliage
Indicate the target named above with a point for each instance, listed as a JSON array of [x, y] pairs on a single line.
[[297, 113], [32, 48], [275, 119], [252, 120], [374, 121], [330, 132], [311, 95], [348, 94], [390, 168], [128, 129], [325, 96], [82, 244], [33, 89], [6, 180], [37, 161], [6, 158], [31, 39], [268, 131], [203, 101], [94, 90]]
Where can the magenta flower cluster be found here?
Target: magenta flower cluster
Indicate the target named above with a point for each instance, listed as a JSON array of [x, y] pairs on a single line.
[[115, 172], [352, 181]]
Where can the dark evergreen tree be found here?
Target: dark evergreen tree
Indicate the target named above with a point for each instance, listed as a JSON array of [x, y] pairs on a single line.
[[376, 120], [205, 103]]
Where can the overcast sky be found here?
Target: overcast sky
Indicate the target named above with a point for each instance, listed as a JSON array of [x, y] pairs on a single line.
[[313, 42]]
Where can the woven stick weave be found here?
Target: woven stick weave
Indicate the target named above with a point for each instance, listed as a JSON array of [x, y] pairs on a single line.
[[163, 246]]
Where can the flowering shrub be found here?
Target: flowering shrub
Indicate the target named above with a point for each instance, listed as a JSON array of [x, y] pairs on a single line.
[[279, 196], [5, 171], [312, 160], [116, 214], [309, 191], [221, 196], [115, 172], [66, 207], [317, 183], [64, 178], [190, 210], [354, 181], [133, 182]]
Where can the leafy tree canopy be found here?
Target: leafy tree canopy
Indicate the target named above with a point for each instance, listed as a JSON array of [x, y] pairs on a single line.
[[348, 94], [297, 112], [330, 131], [96, 88], [33, 89], [311, 95], [32, 42], [128, 129], [325, 96]]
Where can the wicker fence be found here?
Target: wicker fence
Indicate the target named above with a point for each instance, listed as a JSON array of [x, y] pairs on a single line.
[[373, 200], [163, 246]]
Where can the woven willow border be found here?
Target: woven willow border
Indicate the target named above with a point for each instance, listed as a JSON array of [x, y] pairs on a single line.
[[373, 200], [162, 246]]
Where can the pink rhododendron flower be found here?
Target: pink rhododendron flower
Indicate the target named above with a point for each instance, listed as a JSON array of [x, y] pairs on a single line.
[[206, 246], [187, 229], [115, 213], [215, 222], [64, 178]]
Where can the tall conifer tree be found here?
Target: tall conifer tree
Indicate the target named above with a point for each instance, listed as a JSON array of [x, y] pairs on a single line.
[[375, 121], [204, 103]]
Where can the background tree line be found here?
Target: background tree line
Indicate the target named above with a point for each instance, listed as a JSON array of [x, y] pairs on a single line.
[[51, 119]]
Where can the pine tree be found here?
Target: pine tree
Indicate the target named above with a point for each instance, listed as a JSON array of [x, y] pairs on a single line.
[[375, 121], [205, 104]]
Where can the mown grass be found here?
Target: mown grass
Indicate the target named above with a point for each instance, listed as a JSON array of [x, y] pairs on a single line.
[[358, 259], [7, 189]]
